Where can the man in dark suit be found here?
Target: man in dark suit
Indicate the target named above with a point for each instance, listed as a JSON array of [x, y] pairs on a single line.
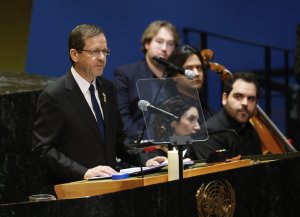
[[75, 135], [230, 128], [159, 39]]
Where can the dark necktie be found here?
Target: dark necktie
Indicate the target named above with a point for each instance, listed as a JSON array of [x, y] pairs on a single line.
[[97, 111]]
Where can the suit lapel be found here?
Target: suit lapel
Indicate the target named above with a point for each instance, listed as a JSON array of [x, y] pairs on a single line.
[[79, 102]]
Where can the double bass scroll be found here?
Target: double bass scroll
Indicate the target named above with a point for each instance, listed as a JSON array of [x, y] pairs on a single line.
[[273, 141]]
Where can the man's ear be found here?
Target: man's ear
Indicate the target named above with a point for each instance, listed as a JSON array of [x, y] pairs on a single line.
[[147, 45], [224, 98], [74, 55]]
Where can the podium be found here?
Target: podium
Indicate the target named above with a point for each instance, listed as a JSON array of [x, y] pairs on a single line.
[[262, 187], [98, 187]]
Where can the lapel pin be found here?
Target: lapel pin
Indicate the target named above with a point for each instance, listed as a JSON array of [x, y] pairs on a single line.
[[104, 97]]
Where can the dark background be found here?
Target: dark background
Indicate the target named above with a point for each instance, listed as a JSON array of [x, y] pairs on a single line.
[[268, 22]]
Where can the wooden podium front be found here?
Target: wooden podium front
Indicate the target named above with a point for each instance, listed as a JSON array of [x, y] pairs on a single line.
[[264, 186], [97, 187]]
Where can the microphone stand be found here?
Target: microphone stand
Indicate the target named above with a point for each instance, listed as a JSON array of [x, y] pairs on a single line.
[[180, 141]]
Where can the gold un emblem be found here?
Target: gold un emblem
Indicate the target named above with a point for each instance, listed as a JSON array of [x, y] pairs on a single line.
[[216, 199]]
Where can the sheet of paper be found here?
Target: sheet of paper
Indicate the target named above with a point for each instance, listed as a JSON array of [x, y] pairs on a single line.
[[137, 170]]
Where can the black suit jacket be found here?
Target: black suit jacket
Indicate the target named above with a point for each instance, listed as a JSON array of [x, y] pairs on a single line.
[[227, 134], [66, 135]]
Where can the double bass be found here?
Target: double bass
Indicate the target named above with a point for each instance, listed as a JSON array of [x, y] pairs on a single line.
[[273, 141]]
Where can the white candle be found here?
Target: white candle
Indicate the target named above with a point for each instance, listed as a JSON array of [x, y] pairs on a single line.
[[173, 165]]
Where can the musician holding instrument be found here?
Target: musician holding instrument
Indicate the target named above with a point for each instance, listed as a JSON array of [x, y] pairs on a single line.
[[190, 58], [230, 128]]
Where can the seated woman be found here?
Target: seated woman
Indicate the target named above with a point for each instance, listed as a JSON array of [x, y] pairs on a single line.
[[187, 124]]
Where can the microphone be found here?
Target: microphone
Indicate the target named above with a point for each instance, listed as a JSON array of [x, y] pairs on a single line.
[[189, 74], [146, 106]]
